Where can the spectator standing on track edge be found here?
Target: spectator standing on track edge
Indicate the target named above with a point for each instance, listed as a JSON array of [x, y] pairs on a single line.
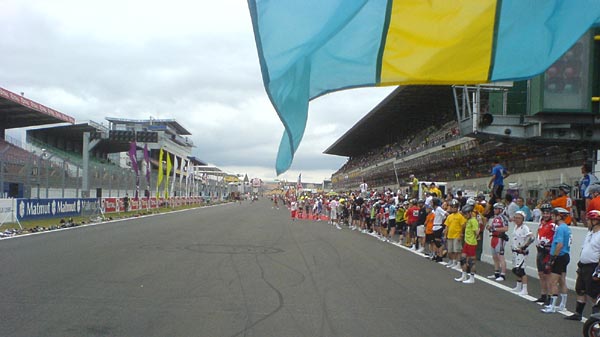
[[497, 229], [587, 284], [521, 239], [559, 260]]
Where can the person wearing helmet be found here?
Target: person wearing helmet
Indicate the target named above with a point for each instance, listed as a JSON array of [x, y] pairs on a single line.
[[544, 237], [559, 260], [588, 268], [521, 239], [469, 250], [594, 191], [498, 228], [564, 201]]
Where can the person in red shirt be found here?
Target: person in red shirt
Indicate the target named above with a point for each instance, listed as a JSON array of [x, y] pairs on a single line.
[[544, 238], [564, 201], [412, 217]]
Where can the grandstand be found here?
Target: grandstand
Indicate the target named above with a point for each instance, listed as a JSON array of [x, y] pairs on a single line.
[[90, 159], [21, 170]]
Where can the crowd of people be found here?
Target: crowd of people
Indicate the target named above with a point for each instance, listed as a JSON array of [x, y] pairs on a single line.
[[448, 228]]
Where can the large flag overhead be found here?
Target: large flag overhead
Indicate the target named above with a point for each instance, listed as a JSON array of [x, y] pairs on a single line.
[[308, 48]]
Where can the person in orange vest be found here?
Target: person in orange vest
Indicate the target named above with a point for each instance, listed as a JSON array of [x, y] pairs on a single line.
[[594, 191], [564, 201]]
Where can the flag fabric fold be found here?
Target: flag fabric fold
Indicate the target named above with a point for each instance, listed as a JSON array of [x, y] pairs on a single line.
[[308, 48]]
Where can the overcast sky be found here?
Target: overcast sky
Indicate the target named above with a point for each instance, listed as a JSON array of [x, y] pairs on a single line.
[[194, 61]]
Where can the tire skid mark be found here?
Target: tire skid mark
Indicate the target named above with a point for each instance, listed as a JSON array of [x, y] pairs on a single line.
[[279, 298]]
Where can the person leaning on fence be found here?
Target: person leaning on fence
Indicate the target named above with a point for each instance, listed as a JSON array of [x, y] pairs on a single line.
[[587, 284]]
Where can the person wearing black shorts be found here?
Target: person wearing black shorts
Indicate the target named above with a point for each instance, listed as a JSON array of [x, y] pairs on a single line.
[[588, 271]]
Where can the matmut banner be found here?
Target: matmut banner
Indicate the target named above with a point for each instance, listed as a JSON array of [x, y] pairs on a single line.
[[28, 209]]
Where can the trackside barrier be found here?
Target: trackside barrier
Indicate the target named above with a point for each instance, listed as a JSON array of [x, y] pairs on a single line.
[[32, 209], [577, 235], [7, 210], [114, 205]]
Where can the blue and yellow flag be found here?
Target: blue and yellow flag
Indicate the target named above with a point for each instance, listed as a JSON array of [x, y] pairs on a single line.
[[308, 48]]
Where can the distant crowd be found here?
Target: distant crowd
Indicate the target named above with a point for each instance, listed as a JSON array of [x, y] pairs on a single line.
[[448, 228]]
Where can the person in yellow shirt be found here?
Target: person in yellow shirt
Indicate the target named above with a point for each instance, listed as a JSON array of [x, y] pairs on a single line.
[[454, 232], [433, 189], [414, 185]]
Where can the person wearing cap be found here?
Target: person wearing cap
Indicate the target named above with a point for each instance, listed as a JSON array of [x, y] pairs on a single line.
[[564, 201], [467, 259], [594, 191], [586, 286], [521, 239], [498, 228], [545, 235], [559, 260]]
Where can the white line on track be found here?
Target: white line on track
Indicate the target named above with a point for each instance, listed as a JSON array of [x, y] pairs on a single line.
[[478, 277]]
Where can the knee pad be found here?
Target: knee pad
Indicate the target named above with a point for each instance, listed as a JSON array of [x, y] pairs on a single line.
[[580, 292], [438, 243], [463, 261], [519, 272], [471, 262]]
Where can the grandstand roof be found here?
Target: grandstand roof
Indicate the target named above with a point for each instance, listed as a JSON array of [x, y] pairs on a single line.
[[406, 110], [172, 123], [74, 134], [17, 111]]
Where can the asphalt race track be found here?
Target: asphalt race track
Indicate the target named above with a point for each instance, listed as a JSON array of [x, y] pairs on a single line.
[[246, 270]]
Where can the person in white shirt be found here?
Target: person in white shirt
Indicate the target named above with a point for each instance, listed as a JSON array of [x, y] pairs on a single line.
[[364, 188], [587, 284], [511, 208], [438, 228], [520, 241]]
